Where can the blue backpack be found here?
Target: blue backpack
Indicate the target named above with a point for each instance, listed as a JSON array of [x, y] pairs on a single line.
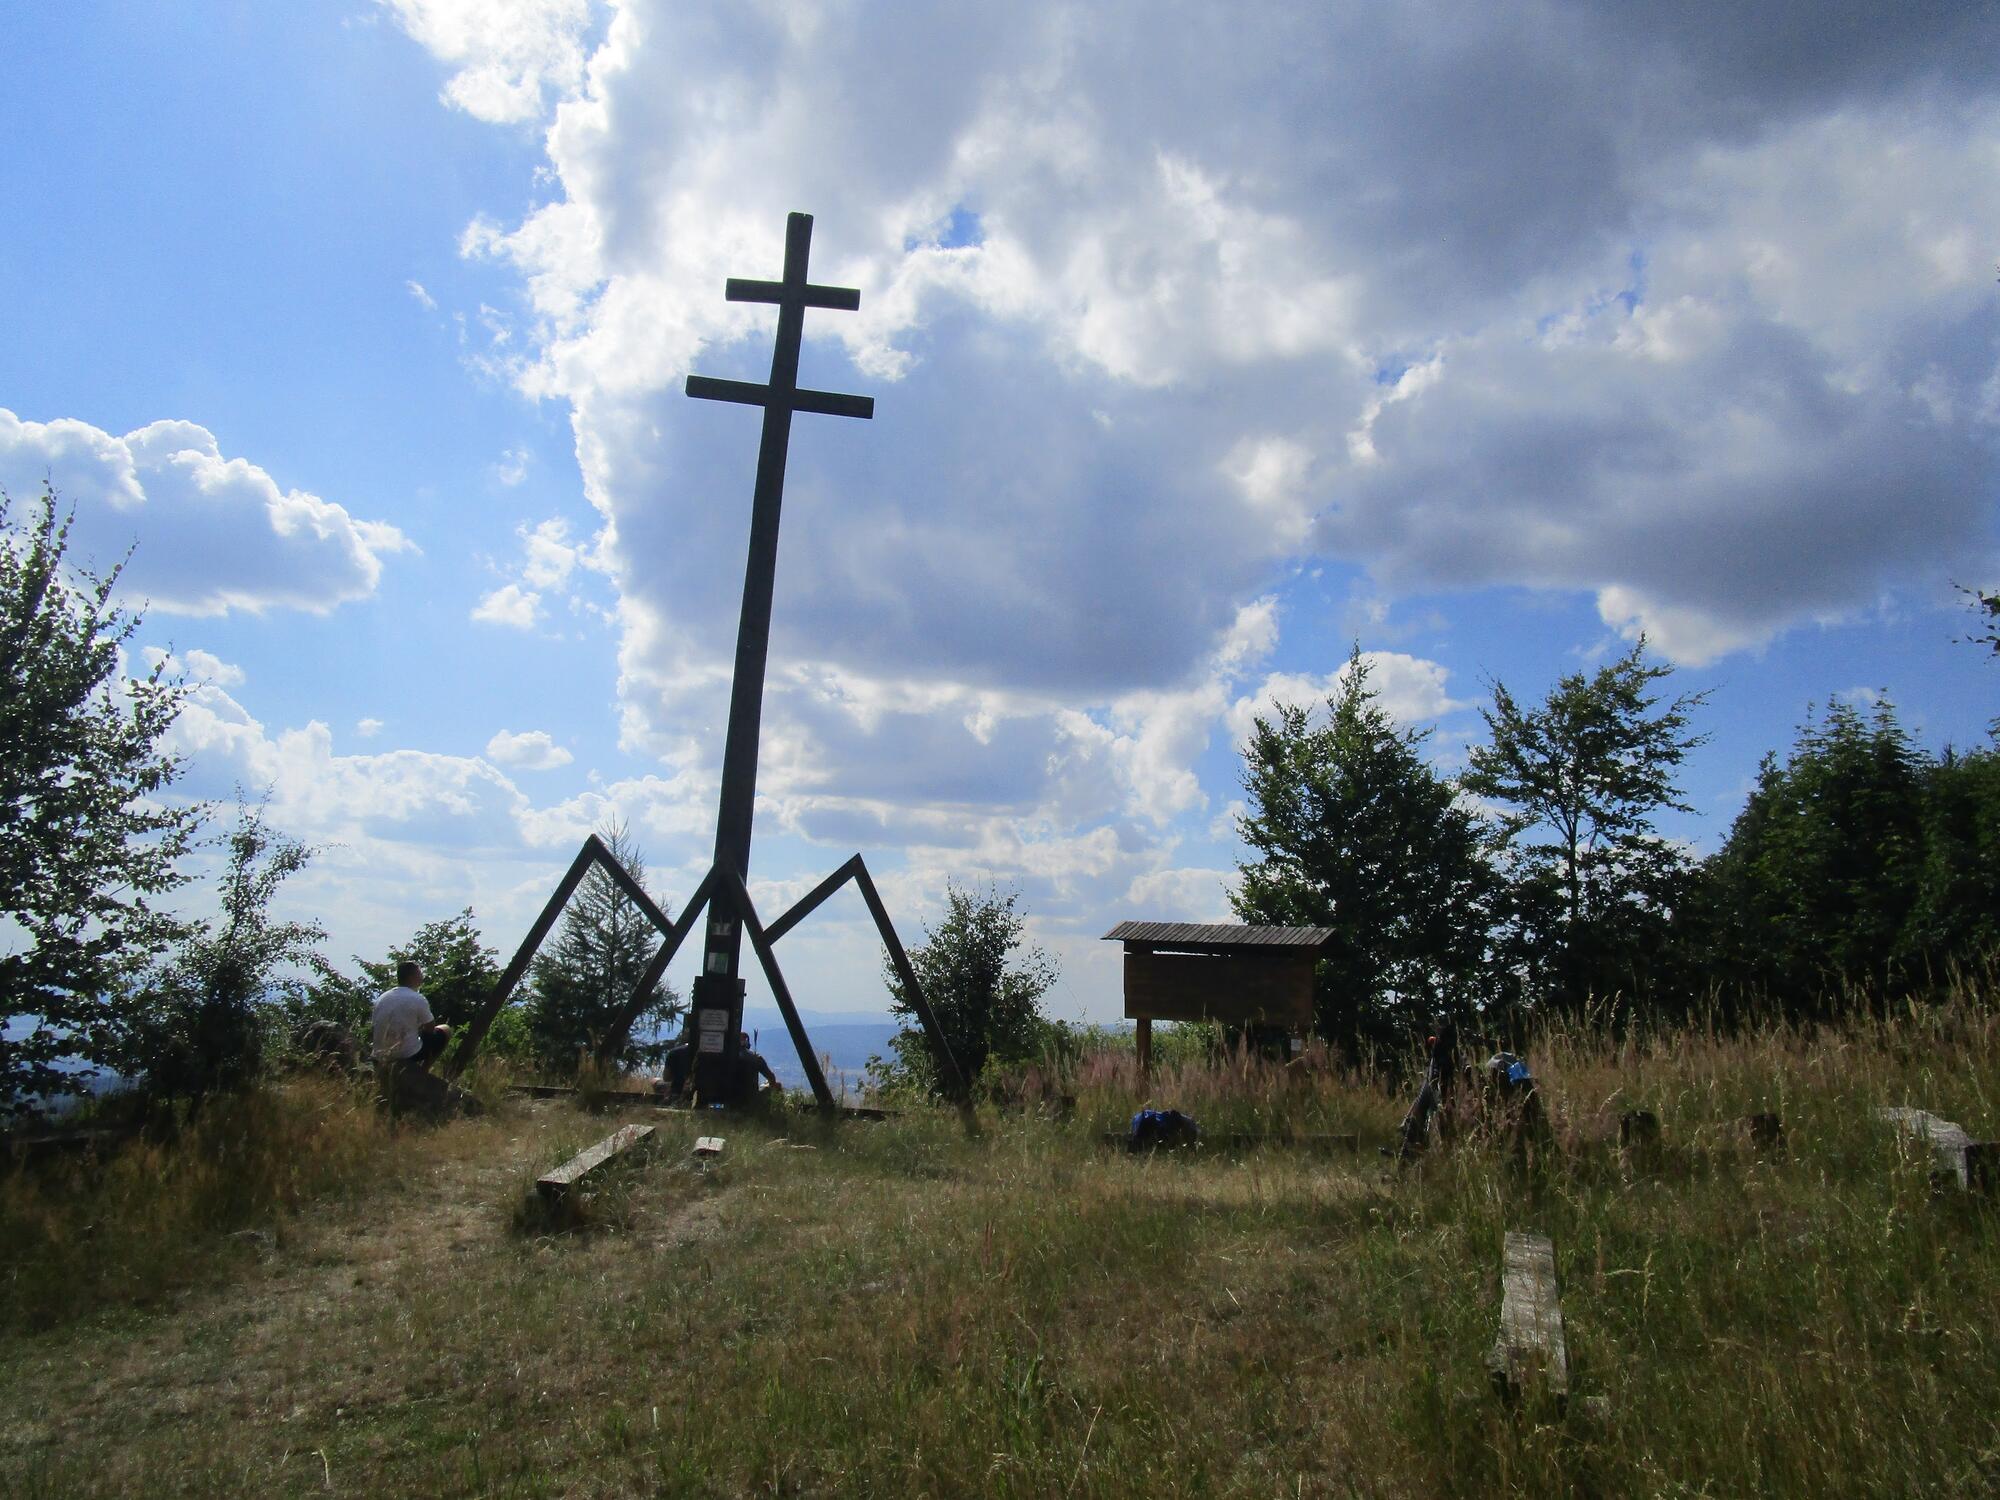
[[1154, 1129]]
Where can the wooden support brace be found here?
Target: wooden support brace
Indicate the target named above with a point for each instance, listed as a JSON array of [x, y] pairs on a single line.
[[571, 1173], [621, 1026], [593, 852], [732, 889], [1960, 1159], [857, 871], [1530, 1343], [957, 1086]]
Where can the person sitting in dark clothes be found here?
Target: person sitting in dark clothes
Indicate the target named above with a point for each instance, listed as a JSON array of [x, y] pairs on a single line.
[[750, 1066]]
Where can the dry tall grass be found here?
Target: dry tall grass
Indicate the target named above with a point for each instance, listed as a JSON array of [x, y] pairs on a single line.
[[900, 1310]]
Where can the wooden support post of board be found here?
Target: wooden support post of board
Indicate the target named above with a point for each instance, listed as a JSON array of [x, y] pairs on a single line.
[[1530, 1342], [1960, 1159], [555, 1184], [1639, 1130], [1143, 1037]]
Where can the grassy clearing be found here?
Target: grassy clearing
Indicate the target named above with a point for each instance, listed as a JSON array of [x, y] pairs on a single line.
[[895, 1309]]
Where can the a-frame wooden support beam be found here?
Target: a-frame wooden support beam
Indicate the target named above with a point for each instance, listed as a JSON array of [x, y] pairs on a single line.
[[593, 852], [725, 889], [764, 938]]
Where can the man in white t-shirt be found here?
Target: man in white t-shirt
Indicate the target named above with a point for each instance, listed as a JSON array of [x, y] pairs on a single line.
[[407, 1035]]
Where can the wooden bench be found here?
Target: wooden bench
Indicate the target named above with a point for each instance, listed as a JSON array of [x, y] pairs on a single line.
[[1960, 1158], [555, 1184], [1530, 1343]]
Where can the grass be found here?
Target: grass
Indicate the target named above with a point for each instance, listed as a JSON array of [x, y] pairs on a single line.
[[897, 1309]]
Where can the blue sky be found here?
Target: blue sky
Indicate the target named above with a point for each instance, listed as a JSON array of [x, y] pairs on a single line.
[[1485, 336]]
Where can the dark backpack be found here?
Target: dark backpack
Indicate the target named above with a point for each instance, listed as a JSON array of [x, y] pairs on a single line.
[[1157, 1129]]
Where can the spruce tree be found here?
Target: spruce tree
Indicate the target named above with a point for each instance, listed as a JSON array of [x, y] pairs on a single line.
[[586, 979]]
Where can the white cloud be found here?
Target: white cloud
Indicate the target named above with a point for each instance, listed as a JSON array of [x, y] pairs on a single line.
[[367, 729], [1182, 895], [1411, 690], [1169, 307], [199, 666], [207, 534], [551, 557], [424, 299], [512, 468], [509, 605], [509, 54], [531, 750]]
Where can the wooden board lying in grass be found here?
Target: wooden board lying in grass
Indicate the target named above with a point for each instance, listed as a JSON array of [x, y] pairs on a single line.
[[1960, 1158], [570, 1173], [1530, 1344], [102, 1139]]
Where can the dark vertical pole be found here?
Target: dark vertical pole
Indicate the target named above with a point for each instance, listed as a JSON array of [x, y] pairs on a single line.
[[718, 992], [1144, 1038], [753, 630]]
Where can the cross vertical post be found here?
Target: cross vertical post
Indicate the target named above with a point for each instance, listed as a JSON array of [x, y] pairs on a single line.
[[718, 992]]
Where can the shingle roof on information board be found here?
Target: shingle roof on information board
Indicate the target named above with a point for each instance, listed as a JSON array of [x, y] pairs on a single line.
[[1218, 935]]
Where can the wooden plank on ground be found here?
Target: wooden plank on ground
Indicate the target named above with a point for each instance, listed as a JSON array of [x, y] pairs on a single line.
[[1960, 1158], [580, 1166], [1530, 1343], [708, 1145]]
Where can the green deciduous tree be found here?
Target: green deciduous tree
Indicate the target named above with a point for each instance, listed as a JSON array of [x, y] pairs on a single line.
[[1816, 885], [985, 994], [585, 980], [1987, 606], [1353, 830], [86, 843], [1592, 887], [201, 1019], [460, 971]]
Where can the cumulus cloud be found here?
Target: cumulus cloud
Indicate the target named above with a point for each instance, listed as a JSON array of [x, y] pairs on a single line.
[[509, 605], [207, 534], [1682, 310], [509, 58], [532, 750], [550, 555], [1411, 690], [196, 665]]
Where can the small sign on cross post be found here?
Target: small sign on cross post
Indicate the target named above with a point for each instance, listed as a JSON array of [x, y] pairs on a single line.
[[718, 992]]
